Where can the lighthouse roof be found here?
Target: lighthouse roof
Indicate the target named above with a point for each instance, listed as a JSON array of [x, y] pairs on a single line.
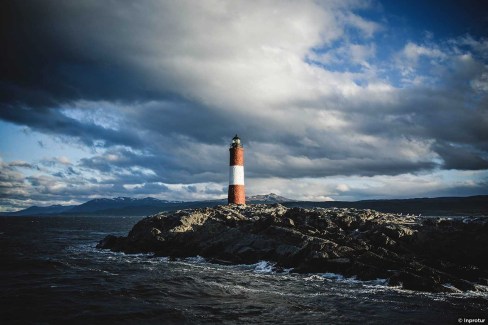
[[236, 142]]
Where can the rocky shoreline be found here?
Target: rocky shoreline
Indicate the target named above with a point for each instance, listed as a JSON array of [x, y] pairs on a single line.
[[425, 254]]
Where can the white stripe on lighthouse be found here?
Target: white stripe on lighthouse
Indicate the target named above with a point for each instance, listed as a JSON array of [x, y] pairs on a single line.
[[236, 175]]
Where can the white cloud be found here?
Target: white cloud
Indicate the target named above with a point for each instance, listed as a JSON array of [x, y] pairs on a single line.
[[480, 84], [467, 43], [367, 27], [412, 52], [360, 54]]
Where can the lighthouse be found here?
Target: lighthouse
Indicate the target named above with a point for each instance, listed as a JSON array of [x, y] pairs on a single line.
[[237, 194]]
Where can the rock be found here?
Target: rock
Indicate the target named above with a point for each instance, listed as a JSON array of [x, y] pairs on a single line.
[[116, 244], [289, 222], [434, 255], [411, 281], [397, 231]]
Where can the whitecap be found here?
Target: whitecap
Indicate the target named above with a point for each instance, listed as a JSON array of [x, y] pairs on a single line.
[[353, 280], [195, 259], [263, 267], [314, 277], [333, 276], [450, 286]]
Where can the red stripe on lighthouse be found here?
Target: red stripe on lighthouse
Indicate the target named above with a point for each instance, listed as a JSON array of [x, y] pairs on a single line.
[[236, 156], [236, 193]]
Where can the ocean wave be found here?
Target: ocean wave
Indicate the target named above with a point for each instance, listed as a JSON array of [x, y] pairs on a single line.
[[195, 259], [334, 277], [263, 267], [266, 268]]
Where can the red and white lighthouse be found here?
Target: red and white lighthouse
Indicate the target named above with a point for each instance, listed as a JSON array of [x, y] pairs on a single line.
[[237, 193]]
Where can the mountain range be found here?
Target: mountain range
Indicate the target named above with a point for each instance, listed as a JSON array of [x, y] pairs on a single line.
[[126, 206], [133, 206]]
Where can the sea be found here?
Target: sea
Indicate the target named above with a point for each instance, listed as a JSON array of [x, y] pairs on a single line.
[[52, 273]]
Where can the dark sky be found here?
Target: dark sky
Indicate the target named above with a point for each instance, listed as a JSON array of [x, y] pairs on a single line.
[[339, 100]]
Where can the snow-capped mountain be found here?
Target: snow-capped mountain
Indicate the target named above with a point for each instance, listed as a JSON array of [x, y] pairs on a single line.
[[267, 198]]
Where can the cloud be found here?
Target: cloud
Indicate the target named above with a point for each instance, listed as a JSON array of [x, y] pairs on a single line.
[[20, 163], [11, 180], [367, 27], [439, 183], [479, 47], [157, 50], [413, 52], [461, 157], [153, 92]]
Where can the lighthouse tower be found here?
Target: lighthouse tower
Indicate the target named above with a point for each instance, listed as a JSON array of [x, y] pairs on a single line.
[[236, 173]]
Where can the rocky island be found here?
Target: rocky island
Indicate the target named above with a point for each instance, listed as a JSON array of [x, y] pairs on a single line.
[[426, 254]]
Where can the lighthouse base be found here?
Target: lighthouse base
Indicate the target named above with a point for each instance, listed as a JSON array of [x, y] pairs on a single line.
[[237, 194]]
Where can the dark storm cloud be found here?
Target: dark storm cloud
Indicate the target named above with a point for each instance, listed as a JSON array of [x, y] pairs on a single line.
[[55, 51], [460, 157]]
